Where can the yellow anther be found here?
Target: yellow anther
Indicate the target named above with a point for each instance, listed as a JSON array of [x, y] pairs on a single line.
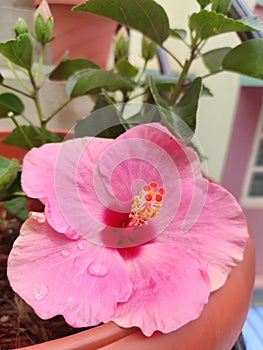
[[146, 205]]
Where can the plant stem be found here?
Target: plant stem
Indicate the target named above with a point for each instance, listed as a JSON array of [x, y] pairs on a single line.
[[26, 119], [17, 90], [183, 76], [38, 105], [212, 73], [22, 83], [32, 80], [142, 71], [138, 95], [22, 132], [40, 116], [180, 82], [173, 56], [56, 111], [108, 98], [40, 64]]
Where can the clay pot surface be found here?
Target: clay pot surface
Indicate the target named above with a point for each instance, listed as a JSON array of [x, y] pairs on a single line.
[[81, 34], [10, 151]]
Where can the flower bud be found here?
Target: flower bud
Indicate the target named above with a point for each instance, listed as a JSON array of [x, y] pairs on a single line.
[[149, 49], [20, 28], [43, 24], [121, 44], [44, 10]]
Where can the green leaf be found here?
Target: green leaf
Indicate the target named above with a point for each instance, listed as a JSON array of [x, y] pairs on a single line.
[[186, 108], [221, 6], [90, 80], [178, 33], [125, 68], [17, 207], [206, 92], [252, 21], [8, 172], [147, 114], [155, 93], [34, 134], [204, 3], [146, 16], [213, 59], [12, 191], [246, 58], [68, 67], [10, 103], [164, 109], [168, 116], [102, 122], [19, 51], [207, 24]]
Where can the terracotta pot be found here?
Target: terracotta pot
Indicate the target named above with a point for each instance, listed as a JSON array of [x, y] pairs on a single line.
[[81, 34], [10, 151], [217, 328]]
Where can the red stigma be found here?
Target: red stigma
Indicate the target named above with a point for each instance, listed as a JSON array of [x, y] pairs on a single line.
[[148, 197]]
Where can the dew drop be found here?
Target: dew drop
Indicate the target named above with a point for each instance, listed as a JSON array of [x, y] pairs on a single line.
[[98, 270], [40, 290], [39, 217], [65, 253], [80, 246]]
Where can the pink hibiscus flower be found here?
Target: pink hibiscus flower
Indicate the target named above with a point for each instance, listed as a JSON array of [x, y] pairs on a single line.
[[130, 226]]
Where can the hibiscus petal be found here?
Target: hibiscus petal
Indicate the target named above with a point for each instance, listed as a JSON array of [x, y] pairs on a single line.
[[186, 160], [217, 232], [143, 154], [81, 181], [170, 288], [56, 275], [49, 174]]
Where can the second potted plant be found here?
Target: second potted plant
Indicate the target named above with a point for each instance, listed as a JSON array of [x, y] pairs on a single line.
[[81, 35]]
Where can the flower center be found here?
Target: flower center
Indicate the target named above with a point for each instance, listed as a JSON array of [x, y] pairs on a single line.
[[146, 205]]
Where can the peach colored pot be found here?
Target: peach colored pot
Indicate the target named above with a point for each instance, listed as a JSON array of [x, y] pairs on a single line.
[[81, 34], [217, 328]]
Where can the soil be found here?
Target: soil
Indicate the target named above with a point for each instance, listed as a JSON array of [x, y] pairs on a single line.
[[19, 325]]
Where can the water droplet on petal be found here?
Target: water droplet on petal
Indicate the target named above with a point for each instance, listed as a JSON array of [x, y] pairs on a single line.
[[98, 270], [65, 253], [39, 217], [80, 246], [40, 290], [71, 233]]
